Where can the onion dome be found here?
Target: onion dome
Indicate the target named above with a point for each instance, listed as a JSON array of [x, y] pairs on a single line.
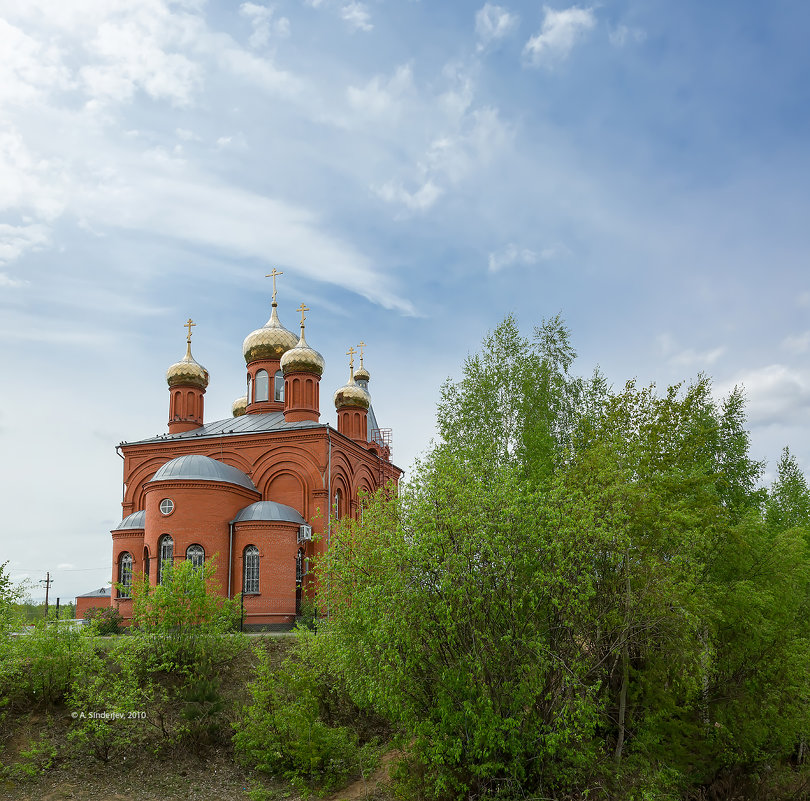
[[239, 406], [361, 374], [351, 395], [302, 358], [271, 341], [187, 371]]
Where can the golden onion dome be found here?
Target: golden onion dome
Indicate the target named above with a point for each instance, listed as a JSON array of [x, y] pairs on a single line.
[[239, 406], [187, 371], [351, 395], [271, 341], [361, 374], [302, 359]]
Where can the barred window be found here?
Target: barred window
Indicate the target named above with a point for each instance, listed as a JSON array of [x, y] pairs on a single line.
[[250, 570], [165, 555], [196, 555], [299, 567], [125, 575]]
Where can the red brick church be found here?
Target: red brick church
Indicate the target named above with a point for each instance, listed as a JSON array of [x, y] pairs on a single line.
[[261, 489]]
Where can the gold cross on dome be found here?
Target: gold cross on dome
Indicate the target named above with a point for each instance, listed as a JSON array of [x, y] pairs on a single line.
[[350, 353], [189, 324], [274, 275], [302, 308], [361, 346]]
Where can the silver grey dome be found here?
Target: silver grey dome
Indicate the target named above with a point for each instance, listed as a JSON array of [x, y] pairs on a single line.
[[134, 521], [196, 467], [269, 510]]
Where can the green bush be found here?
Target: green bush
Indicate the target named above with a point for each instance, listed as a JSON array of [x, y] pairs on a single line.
[[107, 619], [287, 731]]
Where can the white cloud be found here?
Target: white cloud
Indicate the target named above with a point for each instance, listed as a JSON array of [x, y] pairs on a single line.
[[512, 254], [16, 240], [775, 395], [688, 358], [263, 23], [420, 200], [798, 343], [379, 97], [356, 14], [622, 35], [561, 30], [493, 23], [28, 69]]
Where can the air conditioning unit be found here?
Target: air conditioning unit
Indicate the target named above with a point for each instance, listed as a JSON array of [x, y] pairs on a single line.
[[304, 533]]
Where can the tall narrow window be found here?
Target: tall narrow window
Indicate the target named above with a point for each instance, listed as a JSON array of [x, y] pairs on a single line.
[[196, 555], [146, 564], [278, 386], [250, 387], [262, 386], [250, 570], [165, 555], [125, 575]]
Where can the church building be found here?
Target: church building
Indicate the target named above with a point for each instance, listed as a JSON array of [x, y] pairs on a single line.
[[259, 490]]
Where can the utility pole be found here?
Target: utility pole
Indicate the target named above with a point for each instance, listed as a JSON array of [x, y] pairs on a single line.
[[47, 582]]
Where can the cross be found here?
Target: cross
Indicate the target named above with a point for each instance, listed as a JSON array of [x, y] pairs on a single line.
[[302, 309], [350, 353], [273, 276], [189, 324], [361, 346]]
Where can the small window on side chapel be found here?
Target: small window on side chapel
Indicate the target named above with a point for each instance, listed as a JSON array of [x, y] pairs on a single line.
[[125, 575], [250, 570], [165, 555], [196, 555]]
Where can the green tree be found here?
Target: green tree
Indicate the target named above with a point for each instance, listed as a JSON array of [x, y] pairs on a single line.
[[577, 586]]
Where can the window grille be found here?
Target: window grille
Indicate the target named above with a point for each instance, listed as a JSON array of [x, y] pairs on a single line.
[[250, 570]]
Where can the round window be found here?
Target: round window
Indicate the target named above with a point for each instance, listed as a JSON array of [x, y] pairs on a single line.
[[167, 506]]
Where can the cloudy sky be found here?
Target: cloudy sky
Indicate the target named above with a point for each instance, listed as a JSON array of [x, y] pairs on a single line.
[[418, 170]]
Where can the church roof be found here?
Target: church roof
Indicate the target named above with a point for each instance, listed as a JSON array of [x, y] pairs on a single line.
[[234, 426], [197, 467], [135, 520], [269, 510]]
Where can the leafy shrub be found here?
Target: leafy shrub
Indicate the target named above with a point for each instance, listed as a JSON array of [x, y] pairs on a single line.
[[284, 732], [108, 619]]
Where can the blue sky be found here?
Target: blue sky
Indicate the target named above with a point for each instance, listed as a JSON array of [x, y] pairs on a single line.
[[418, 170]]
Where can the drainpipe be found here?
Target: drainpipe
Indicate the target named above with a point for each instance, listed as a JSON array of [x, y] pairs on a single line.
[[230, 556], [329, 507]]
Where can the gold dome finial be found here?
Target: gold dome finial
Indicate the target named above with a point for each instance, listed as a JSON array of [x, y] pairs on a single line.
[[302, 358], [272, 340], [350, 353], [361, 374], [273, 276], [187, 370]]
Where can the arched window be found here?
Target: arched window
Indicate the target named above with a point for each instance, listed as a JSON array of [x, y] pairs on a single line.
[[249, 388], [196, 555], [125, 575], [337, 508], [146, 563], [262, 386], [250, 570], [278, 386], [165, 555]]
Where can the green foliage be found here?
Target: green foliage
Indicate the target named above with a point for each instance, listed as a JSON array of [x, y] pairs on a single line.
[[107, 619], [577, 587], [293, 727], [39, 668], [184, 622]]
